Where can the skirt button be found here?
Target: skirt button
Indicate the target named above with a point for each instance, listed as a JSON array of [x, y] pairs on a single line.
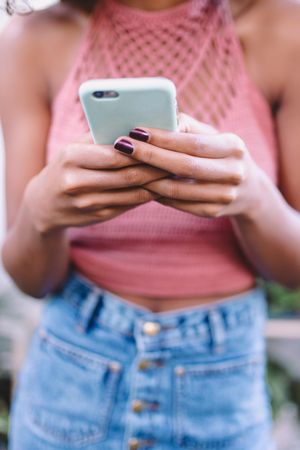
[[144, 364], [151, 328], [137, 406], [133, 444]]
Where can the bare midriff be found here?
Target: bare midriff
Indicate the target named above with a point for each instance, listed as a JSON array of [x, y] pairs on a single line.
[[158, 305]]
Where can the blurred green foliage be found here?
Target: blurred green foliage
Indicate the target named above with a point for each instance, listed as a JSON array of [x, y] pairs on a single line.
[[3, 423], [280, 387], [283, 388], [283, 302]]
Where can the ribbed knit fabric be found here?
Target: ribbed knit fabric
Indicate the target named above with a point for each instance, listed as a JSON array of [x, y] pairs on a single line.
[[154, 250]]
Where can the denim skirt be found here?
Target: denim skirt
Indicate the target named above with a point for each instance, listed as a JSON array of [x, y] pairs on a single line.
[[102, 373]]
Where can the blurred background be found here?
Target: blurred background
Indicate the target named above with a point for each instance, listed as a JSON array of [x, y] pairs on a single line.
[[19, 315]]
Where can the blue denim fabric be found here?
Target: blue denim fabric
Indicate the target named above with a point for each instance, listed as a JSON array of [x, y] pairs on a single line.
[[104, 374]]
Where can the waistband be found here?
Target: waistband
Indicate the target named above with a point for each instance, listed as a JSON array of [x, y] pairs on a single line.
[[213, 322]]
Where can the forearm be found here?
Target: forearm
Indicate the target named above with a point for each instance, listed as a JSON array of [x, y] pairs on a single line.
[[37, 262], [270, 236]]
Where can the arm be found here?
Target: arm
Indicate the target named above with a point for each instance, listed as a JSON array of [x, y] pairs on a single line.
[[271, 234], [31, 258], [270, 237], [84, 184]]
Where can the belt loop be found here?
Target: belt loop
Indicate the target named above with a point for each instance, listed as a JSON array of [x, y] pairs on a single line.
[[217, 330], [89, 308]]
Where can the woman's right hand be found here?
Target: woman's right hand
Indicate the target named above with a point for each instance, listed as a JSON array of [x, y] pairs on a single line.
[[87, 184]]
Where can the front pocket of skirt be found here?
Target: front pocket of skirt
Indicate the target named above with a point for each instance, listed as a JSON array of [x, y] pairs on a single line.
[[215, 403], [69, 392]]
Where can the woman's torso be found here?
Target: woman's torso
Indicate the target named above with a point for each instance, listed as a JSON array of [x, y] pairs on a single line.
[[71, 26], [73, 38]]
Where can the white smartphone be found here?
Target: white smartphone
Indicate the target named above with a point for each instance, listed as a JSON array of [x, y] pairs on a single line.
[[115, 106]]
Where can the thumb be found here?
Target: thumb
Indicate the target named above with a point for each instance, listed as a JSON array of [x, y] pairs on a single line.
[[188, 124], [85, 138]]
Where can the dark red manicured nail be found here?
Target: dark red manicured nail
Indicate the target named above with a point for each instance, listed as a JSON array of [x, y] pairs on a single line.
[[124, 146], [139, 135]]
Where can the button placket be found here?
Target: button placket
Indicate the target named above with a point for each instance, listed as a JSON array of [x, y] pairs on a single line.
[[136, 444], [146, 402], [138, 406], [144, 364]]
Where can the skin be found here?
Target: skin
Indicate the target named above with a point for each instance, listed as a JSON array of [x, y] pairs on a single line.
[[86, 184]]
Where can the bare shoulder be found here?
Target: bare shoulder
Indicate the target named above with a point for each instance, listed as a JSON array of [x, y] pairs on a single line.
[[282, 13], [44, 40], [282, 20], [39, 25], [270, 33], [42, 28], [279, 21]]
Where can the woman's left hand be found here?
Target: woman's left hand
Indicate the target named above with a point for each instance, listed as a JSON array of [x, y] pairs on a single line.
[[214, 172]]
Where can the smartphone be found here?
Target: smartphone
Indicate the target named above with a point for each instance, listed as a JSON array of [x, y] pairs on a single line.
[[115, 106]]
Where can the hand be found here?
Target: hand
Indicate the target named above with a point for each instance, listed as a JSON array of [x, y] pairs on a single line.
[[85, 184], [217, 174]]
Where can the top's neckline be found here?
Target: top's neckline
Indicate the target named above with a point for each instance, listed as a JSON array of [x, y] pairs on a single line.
[[186, 8]]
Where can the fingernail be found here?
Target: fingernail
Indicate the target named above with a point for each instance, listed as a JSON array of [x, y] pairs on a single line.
[[124, 146], [139, 134]]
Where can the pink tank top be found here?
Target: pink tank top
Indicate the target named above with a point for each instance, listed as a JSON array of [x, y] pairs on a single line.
[[154, 250]]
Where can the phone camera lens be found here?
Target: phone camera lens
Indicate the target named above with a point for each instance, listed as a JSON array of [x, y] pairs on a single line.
[[98, 94]]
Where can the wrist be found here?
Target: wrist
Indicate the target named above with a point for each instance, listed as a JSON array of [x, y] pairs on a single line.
[[263, 194], [34, 211], [261, 191], [34, 228]]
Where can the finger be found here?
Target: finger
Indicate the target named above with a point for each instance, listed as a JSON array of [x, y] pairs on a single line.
[[207, 210], [86, 138], [192, 191], [126, 197], [181, 164], [82, 181], [112, 212], [82, 219], [91, 156], [201, 145]]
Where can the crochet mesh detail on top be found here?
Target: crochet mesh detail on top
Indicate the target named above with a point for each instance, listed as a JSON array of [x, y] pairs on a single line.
[[193, 45], [155, 250]]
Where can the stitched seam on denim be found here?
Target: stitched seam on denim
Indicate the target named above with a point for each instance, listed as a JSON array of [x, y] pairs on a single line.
[[172, 341], [178, 433], [68, 349], [77, 304], [222, 368], [102, 428], [175, 342], [214, 445], [46, 433], [148, 345], [180, 409], [131, 395], [114, 328], [112, 389], [250, 309]]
